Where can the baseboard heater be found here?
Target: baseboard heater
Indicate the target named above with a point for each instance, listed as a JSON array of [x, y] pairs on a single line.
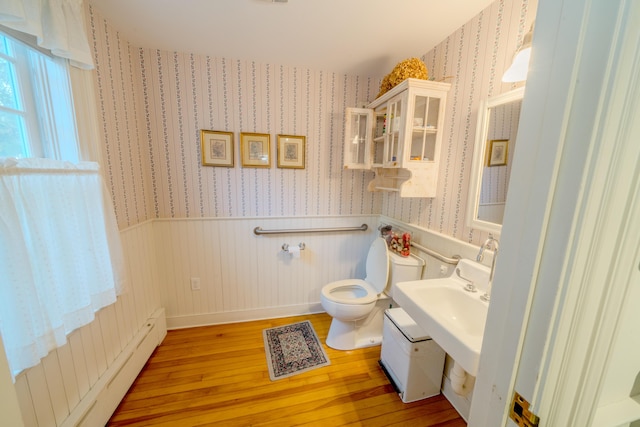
[[97, 406]]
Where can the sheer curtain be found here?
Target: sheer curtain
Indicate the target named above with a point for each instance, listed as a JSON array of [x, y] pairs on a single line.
[[60, 254], [58, 26]]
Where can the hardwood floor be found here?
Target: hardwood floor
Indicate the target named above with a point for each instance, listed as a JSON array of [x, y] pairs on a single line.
[[217, 375]]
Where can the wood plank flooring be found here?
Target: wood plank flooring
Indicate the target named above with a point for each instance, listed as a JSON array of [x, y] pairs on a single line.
[[217, 375]]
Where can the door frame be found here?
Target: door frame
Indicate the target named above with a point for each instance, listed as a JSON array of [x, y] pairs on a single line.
[[554, 222]]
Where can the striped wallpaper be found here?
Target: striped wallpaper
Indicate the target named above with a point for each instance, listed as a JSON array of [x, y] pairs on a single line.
[[473, 60], [153, 104], [125, 148]]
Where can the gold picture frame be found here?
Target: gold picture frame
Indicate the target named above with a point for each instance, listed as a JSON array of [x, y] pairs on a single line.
[[291, 151], [255, 149], [498, 151], [217, 148]]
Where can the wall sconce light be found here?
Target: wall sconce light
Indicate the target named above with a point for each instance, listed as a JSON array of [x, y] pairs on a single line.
[[519, 68]]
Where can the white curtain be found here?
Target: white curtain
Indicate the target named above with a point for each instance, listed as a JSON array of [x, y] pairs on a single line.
[[58, 26], [60, 254]]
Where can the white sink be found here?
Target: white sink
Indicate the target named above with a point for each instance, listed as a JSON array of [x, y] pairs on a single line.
[[452, 316]]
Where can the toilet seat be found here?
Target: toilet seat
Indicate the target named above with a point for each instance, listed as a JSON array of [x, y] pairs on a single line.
[[358, 291], [350, 291]]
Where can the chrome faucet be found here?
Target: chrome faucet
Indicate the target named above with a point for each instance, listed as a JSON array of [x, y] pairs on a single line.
[[491, 244]]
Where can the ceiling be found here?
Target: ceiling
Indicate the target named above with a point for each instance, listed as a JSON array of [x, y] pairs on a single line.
[[355, 37]]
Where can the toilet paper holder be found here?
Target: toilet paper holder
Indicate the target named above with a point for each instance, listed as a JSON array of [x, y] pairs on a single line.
[[285, 246]]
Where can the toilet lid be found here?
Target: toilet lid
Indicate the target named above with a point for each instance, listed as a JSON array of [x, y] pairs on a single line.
[[378, 265]]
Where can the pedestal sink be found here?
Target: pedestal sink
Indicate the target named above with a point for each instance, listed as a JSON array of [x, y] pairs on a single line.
[[450, 311]]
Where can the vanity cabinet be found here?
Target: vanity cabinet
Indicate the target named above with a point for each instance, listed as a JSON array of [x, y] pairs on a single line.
[[399, 136]]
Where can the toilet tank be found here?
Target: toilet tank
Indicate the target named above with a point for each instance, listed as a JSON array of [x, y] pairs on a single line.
[[404, 269]]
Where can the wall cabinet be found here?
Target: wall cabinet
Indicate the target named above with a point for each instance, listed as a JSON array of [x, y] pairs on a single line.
[[399, 136]]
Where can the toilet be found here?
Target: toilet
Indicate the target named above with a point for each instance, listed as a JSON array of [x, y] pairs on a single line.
[[357, 305]]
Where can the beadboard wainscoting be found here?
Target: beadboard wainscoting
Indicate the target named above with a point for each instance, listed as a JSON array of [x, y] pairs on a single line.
[[82, 382], [438, 242], [244, 276]]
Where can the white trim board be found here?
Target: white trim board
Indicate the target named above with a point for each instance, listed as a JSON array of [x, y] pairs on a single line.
[[191, 321]]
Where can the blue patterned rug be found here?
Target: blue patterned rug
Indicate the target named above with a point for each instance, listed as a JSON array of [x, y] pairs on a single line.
[[293, 349]]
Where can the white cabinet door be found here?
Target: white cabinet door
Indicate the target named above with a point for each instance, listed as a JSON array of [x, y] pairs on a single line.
[[358, 138]]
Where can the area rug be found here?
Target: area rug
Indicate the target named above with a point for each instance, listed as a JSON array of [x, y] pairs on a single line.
[[293, 349]]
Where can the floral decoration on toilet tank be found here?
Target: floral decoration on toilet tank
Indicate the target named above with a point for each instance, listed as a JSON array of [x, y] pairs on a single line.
[[400, 244]]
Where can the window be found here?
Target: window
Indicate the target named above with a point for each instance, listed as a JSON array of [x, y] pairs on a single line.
[[59, 244], [36, 107]]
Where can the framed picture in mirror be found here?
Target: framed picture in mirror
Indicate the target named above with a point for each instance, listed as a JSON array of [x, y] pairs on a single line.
[[497, 152], [495, 140]]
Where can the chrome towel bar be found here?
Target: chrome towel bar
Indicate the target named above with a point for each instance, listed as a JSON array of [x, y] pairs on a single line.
[[259, 231]]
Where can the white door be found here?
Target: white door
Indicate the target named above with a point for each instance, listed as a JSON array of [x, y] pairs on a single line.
[[561, 329]]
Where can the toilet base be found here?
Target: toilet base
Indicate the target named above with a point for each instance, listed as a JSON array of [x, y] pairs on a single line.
[[349, 335]]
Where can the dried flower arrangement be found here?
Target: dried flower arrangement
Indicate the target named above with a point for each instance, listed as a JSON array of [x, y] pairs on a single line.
[[409, 68]]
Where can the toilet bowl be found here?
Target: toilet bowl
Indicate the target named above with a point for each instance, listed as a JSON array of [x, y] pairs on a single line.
[[357, 305], [350, 299]]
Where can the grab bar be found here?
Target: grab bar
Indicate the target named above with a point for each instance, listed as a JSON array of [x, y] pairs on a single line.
[[453, 260], [258, 230]]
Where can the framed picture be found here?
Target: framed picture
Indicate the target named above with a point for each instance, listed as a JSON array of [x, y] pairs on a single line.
[[498, 152], [255, 149], [217, 148], [291, 150]]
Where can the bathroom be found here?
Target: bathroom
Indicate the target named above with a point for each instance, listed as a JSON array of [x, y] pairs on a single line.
[[179, 220]]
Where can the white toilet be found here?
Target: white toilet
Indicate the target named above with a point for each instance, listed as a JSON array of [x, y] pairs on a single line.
[[357, 306]]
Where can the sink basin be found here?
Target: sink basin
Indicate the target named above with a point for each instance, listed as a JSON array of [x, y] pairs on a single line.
[[452, 316]]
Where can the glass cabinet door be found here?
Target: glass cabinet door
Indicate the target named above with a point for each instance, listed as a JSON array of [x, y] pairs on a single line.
[[393, 135], [424, 128], [377, 147], [358, 138]]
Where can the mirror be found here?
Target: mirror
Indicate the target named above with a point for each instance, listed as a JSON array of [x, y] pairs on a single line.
[[496, 133]]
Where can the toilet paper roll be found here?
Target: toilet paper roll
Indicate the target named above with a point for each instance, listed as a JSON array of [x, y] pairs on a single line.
[[294, 251]]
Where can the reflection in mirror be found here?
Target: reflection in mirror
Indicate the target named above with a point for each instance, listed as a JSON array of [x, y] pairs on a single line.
[[501, 137], [496, 133]]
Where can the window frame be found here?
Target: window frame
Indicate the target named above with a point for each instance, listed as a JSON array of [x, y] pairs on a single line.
[[45, 90], [23, 93]]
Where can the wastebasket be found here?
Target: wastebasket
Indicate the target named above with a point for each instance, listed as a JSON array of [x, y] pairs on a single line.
[[412, 361]]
